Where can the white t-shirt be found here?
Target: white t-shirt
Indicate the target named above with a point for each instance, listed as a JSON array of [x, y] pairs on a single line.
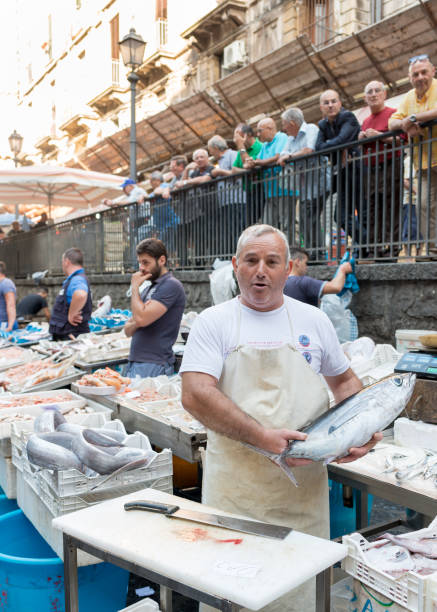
[[215, 333]]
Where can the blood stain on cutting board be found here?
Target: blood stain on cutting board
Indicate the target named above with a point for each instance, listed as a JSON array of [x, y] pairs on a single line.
[[197, 535]]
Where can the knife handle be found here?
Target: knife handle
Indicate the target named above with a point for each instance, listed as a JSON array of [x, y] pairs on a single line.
[[166, 509]]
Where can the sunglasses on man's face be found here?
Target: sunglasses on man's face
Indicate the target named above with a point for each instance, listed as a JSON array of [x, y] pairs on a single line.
[[418, 58]]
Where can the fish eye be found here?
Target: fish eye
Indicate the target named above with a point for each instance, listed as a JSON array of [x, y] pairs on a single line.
[[397, 381]]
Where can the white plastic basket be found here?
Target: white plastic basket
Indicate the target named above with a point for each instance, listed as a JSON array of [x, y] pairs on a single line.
[[67, 483], [8, 477], [63, 505], [411, 590]]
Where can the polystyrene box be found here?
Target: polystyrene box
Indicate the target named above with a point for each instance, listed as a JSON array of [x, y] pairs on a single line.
[[416, 434]]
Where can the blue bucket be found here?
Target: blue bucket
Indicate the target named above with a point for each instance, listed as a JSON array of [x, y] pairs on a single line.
[[341, 518], [32, 576], [7, 505]]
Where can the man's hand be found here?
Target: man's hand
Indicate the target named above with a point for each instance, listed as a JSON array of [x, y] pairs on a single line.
[[346, 267], [239, 140], [283, 159], [360, 451], [138, 278], [370, 132], [75, 319], [249, 164], [276, 441]]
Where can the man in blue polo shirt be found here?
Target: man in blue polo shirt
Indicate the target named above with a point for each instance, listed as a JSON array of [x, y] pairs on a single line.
[[73, 305], [273, 143], [156, 313]]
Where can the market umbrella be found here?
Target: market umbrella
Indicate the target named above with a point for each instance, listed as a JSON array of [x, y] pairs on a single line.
[[57, 186]]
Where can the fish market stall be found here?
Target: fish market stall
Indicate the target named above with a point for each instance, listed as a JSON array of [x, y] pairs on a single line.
[[40, 374], [224, 568], [153, 406], [29, 335], [76, 464], [22, 409], [11, 356], [116, 318], [370, 475]]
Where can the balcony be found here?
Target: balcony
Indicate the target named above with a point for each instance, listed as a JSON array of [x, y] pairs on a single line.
[[110, 94], [218, 23]]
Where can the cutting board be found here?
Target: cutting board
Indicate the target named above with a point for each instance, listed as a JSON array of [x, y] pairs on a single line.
[[248, 570]]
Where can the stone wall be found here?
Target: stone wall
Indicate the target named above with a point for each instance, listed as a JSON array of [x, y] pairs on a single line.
[[391, 296]]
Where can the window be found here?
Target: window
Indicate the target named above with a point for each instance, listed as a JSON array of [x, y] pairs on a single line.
[[375, 11], [316, 20]]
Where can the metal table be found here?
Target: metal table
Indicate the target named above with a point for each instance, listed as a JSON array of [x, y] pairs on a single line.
[[117, 552], [95, 365], [167, 586], [366, 484]]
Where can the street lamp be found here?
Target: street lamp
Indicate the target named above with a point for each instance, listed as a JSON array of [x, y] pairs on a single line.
[[15, 144], [132, 51]]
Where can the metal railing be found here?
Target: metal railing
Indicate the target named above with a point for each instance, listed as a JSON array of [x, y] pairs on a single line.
[[364, 197]]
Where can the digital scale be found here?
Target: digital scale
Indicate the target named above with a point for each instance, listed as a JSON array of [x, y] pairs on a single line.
[[423, 364]]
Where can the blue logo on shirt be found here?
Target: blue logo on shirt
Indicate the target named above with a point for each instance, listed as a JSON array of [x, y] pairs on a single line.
[[304, 340], [307, 356]]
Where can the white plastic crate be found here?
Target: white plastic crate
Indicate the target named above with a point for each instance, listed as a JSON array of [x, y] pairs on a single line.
[[66, 483], [63, 505], [410, 590], [8, 477], [431, 594]]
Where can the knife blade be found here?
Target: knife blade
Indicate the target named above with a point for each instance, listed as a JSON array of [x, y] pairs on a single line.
[[266, 530]]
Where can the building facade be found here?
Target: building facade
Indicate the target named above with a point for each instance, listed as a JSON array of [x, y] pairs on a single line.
[[206, 66]]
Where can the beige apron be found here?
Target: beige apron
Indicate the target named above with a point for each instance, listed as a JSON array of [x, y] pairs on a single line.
[[279, 389]]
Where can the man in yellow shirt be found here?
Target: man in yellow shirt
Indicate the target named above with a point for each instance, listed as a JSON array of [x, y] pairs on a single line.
[[419, 106]]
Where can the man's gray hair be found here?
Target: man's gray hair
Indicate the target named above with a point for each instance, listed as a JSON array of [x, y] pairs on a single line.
[[293, 114], [200, 151], [156, 174], [218, 142], [260, 229]]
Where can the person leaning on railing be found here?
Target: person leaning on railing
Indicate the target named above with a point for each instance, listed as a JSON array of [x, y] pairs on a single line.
[[195, 174], [417, 107], [273, 142], [249, 147], [228, 196], [338, 127], [311, 177], [383, 173]]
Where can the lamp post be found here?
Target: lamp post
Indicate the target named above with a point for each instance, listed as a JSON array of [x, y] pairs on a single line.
[[15, 144], [132, 48]]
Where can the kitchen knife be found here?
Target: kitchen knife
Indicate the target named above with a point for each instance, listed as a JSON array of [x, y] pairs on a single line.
[[266, 530]]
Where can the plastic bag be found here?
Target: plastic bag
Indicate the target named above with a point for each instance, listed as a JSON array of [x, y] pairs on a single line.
[[342, 596], [344, 321], [222, 283]]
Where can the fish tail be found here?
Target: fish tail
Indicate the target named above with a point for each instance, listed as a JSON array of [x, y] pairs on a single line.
[[282, 463]]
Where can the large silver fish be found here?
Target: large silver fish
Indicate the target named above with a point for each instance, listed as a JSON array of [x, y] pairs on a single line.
[[351, 423]]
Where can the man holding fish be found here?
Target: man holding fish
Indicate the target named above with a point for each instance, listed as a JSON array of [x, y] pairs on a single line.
[[251, 373]]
